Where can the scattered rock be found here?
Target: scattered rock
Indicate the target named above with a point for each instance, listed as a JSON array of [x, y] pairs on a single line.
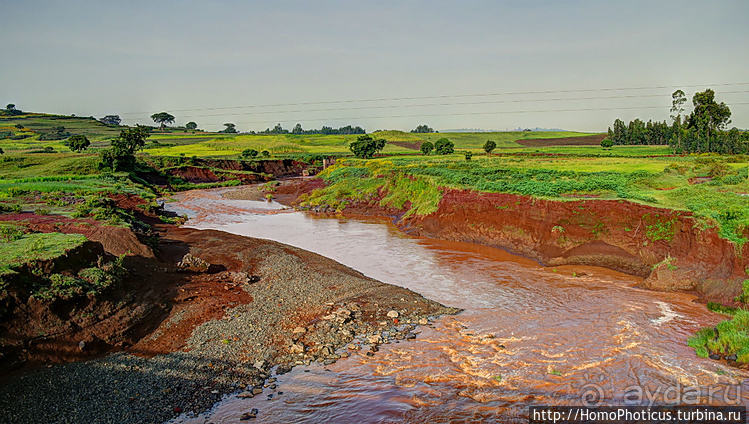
[[193, 263], [246, 395], [715, 356], [732, 357], [296, 348], [283, 369], [259, 365], [257, 390], [423, 321], [299, 330], [249, 415], [393, 314]]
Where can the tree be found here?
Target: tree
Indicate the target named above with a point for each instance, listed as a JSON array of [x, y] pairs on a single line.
[[132, 139], [489, 146], [163, 118], [121, 156], [606, 143], [365, 146], [427, 147], [265, 153], [444, 146], [422, 129], [2, 152], [468, 154], [191, 125], [78, 143], [297, 129], [10, 109], [708, 117], [230, 128], [677, 108], [111, 120]]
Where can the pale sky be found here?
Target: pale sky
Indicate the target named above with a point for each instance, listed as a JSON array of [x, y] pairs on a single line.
[[135, 58]]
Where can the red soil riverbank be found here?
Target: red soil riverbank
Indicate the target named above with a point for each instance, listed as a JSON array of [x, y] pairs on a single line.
[[669, 248]]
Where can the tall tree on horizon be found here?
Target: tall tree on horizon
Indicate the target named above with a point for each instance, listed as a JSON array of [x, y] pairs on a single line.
[[163, 118]]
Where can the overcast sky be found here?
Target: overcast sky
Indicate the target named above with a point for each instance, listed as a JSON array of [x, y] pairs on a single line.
[[196, 59]]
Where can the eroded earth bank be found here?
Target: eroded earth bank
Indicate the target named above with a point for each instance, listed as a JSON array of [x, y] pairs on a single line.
[[202, 314]]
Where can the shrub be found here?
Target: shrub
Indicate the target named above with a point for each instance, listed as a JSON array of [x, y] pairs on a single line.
[[249, 153], [365, 146], [426, 147], [489, 146]]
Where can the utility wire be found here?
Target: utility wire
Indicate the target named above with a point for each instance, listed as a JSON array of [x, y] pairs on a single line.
[[448, 96], [475, 113], [442, 104]]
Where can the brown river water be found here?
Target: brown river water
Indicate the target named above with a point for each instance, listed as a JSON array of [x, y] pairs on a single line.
[[529, 335]]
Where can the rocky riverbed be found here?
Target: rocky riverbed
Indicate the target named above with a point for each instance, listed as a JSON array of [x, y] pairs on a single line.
[[242, 311]]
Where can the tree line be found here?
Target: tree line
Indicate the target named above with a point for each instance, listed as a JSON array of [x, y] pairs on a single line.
[[701, 131], [325, 130]]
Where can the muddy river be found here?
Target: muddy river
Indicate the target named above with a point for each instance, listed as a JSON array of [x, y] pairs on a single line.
[[529, 335]]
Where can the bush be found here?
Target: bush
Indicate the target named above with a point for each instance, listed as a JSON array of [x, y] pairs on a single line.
[[249, 153], [426, 147], [365, 146], [489, 146]]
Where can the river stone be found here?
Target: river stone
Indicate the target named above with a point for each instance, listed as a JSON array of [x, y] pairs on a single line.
[[193, 263], [299, 330], [296, 348], [715, 356], [375, 338], [393, 314]]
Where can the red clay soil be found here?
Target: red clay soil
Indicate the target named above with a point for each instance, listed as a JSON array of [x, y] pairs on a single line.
[[588, 140], [289, 191], [116, 240], [159, 304], [615, 234]]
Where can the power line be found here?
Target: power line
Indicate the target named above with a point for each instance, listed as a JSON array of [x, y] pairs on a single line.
[[448, 96], [443, 104], [475, 113]]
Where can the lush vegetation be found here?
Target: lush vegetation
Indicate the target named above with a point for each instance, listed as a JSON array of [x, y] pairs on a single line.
[[728, 339]]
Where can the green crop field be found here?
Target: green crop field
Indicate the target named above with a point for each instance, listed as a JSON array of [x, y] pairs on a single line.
[[508, 139]]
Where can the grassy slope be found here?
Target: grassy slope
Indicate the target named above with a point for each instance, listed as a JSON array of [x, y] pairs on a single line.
[[32, 247]]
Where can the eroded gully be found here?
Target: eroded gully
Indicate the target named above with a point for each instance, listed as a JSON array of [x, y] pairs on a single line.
[[529, 335]]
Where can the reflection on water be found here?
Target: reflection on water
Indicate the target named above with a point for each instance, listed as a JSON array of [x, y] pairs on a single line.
[[529, 335]]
